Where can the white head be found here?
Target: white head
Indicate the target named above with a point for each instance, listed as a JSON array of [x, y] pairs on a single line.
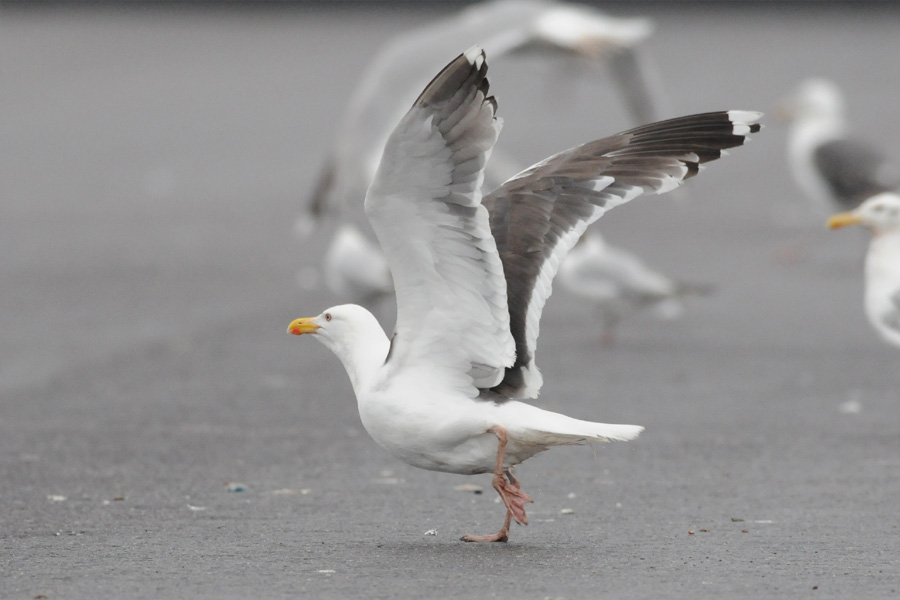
[[816, 97], [879, 213], [353, 334]]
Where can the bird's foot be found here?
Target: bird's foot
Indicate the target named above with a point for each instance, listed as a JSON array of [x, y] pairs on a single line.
[[513, 497], [500, 536]]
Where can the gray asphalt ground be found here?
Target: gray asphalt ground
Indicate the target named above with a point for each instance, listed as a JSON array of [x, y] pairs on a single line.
[[153, 165]]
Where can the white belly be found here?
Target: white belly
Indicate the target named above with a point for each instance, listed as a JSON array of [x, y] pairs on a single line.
[[436, 434], [444, 432], [883, 284]]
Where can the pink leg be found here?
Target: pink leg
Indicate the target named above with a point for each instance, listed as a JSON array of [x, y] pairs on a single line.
[[608, 335], [513, 497]]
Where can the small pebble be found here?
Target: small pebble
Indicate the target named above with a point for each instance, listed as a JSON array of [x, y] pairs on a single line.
[[56, 498], [469, 487], [291, 492], [431, 532], [233, 486], [387, 480], [567, 511]]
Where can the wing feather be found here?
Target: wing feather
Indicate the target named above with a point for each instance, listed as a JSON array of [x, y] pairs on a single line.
[[425, 207], [538, 215], [854, 171]]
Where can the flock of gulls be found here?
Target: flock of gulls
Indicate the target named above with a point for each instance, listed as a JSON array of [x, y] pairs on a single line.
[[469, 246]]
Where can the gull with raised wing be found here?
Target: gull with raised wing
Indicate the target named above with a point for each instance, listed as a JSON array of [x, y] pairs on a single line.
[[472, 274]]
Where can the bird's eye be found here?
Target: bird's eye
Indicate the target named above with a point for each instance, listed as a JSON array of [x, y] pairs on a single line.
[[327, 316], [878, 208]]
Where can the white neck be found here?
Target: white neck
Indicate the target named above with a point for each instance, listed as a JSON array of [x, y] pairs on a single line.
[[882, 259], [362, 354], [811, 130]]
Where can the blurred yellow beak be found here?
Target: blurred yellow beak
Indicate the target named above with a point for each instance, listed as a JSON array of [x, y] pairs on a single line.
[[843, 220], [301, 326]]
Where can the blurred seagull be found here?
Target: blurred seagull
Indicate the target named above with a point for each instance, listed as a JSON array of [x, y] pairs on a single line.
[[618, 283], [881, 214], [835, 171], [355, 268], [399, 72], [472, 274]]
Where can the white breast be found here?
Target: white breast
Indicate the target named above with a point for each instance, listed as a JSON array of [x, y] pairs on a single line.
[[883, 283]]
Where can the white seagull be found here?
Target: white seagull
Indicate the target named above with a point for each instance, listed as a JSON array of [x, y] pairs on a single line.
[[472, 274], [617, 283], [881, 214], [835, 170], [406, 64]]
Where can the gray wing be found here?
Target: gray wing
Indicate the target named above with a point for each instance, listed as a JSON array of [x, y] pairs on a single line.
[[537, 216], [854, 171]]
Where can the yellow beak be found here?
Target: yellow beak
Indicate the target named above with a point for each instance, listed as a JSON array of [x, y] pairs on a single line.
[[843, 220], [301, 326]]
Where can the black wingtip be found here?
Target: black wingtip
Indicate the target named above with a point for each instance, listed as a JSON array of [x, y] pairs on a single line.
[[471, 64]]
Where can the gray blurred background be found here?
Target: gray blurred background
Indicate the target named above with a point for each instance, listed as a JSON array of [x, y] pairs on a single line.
[[161, 436]]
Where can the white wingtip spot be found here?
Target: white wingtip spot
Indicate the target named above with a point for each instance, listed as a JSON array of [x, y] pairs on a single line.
[[744, 116], [475, 56], [742, 120]]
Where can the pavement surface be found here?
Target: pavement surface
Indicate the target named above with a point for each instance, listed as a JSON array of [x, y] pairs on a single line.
[[162, 437]]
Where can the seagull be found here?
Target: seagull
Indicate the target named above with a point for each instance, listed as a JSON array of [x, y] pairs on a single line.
[[398, 73], [354, 267], [881, 214], [617, 283], [471, 275], [835, 170]]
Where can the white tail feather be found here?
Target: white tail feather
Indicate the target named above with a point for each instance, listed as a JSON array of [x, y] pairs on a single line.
[[532, 425]]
